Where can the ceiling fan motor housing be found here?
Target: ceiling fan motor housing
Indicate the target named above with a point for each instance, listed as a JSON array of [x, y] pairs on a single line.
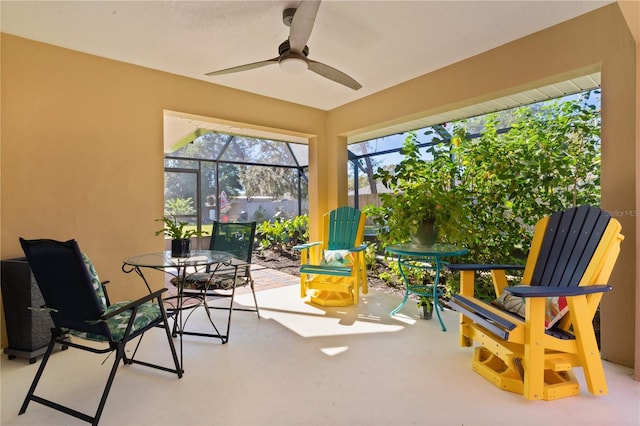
[[287, 16], [285, 48]]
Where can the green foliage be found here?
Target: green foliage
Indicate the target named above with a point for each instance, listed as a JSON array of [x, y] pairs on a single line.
[[420, 190], [230, 181], [412, 199], [177, 230], [179, 206], [493, 189], [370, 255], [282, 234], [260, 215], [425, 301], [416, 276], [548, 161], [275, 182]]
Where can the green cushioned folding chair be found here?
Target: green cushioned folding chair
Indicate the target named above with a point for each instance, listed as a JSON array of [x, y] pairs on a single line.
[[80, 310]]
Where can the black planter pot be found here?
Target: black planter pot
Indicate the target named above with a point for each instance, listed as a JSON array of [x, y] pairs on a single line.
[[426, 311], [180, 248]]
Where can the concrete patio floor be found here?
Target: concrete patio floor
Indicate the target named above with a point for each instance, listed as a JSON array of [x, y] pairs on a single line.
[[304, 365]]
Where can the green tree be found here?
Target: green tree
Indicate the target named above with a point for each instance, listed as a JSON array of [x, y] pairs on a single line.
[[548, 161], [230, 179], [269, 181]]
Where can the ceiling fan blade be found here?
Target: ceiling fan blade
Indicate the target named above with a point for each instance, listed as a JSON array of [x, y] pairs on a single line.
[[302, 24], [333, 74], [244, 67]]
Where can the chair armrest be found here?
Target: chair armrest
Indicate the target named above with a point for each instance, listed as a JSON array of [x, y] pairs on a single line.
[[467, 275], [482, 267], [359, 248], [307, 245], [106, 293], [156, 294], [538, 291]]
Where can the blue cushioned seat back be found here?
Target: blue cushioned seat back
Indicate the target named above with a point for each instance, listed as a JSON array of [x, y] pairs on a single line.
[[570, 240], [66, 285]]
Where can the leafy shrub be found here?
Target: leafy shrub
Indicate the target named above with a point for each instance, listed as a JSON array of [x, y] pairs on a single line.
[[260, 215], [179, 206], [282, 234]]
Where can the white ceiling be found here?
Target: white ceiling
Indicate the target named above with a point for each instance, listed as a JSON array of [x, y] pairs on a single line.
[[379, 43]]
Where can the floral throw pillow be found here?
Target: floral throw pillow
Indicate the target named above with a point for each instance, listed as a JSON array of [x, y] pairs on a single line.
[[555, 307], [337, 258]]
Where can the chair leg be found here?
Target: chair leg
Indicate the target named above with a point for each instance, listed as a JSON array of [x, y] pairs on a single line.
[[164, 324], [255, 300], [93, 420], [36, 379], [174, 354], [233, 295], [107, 388], [588, 347], [534, 349]]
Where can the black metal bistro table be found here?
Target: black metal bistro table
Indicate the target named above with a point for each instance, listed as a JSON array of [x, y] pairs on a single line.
[[423, 257], [181, 267]]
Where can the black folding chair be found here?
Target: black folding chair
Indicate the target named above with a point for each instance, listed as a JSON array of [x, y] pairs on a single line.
[[80, 308], [235, 238]]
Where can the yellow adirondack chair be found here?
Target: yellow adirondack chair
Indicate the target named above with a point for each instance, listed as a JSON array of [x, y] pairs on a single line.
[[533, 335], [334, 268]]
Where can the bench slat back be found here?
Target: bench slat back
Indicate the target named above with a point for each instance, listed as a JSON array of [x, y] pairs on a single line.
[[570, 241], [343, 228]]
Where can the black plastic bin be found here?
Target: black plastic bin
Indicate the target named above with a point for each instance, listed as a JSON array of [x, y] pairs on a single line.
[[28, 331]]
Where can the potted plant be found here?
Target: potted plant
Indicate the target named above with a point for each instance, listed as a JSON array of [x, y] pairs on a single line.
[[425, 305], [179, 233], [421, 197]]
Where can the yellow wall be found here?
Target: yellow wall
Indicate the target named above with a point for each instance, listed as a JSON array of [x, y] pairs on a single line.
[[82, 139]]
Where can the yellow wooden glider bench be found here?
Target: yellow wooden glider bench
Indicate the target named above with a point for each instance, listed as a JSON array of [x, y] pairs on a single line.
[[533, 335]]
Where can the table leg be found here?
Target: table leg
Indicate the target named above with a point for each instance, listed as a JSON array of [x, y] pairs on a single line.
[[436, 300], [178, 319], [180, 323], [434, 294], [406, 287], [138, 271]]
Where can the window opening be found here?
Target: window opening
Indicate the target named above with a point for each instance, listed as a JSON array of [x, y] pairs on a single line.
[[237, 179]]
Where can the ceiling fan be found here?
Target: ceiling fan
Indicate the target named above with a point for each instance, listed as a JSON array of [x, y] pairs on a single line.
[[293, 52]]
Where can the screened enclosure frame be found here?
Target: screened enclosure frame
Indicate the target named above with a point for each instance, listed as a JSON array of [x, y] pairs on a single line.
[[219, 156]]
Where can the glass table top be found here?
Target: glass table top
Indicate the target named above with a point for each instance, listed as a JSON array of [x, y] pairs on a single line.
[[164, 259], [411, 249]]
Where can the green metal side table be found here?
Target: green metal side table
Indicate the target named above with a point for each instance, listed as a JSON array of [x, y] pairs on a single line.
[[423, 257]]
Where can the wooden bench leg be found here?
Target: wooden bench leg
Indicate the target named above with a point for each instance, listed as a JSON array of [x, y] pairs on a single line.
[[587, 346], [534, 348], [466, 289]]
